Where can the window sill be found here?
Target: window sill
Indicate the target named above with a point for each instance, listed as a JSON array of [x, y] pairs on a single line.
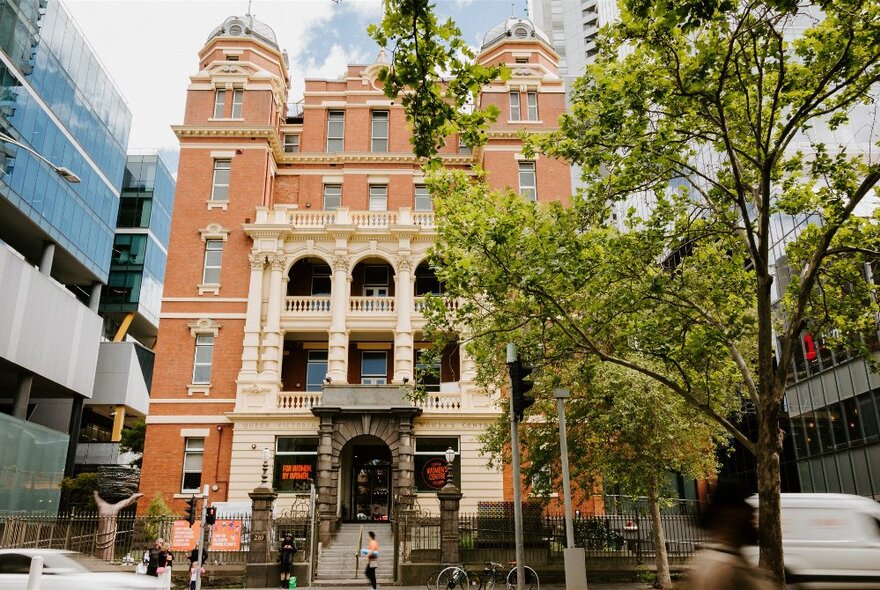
[[213, 288], [203, 388], [187, 495], [218, 205]]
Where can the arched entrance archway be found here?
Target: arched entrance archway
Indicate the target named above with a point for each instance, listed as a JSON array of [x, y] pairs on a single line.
[[366, 484]]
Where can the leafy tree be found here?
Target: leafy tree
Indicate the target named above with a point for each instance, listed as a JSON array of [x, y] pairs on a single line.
[[713, 98], [133, 438], [433, 73], [623, 428], [133, 441], [76, 492]]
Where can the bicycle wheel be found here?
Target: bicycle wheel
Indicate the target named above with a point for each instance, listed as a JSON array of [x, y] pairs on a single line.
[[531, 579], [452, 578], [431, 582], [488, 580], [475, 581]]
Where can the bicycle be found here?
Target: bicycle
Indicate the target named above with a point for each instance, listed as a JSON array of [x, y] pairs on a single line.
[[494, 571], [454, 577]]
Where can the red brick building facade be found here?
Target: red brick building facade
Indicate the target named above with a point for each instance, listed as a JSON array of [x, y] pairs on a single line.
[[291, 318]]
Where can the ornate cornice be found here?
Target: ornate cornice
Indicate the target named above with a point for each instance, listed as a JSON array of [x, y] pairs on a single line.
[[261, 132]]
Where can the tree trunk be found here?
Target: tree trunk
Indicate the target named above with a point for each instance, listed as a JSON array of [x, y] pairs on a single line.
[[664, 580], [770, 523]]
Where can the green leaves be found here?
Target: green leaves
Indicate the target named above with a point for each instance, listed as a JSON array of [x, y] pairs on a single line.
[[433, 73]]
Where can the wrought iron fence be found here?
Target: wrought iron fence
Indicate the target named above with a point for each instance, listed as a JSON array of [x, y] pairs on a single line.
[[227, 542], [621, 529]]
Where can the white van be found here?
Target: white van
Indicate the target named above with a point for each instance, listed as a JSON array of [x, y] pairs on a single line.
[[829, 540]]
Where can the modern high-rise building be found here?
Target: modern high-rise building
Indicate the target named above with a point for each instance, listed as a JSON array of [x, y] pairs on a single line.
[[130, 305], [58, 108], [292, 314]]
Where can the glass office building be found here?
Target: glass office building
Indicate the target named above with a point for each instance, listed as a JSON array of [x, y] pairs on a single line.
[[137, 266], [56, 237], [56, 98]]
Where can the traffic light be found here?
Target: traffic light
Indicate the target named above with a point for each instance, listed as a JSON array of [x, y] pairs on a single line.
[[519, 387], [210, 515], [190, 516]]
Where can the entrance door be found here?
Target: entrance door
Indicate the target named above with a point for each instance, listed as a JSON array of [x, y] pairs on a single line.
[[371, 496]]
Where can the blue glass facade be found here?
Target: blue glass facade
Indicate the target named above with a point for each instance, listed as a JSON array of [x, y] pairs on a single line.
[[137, 268], [56, 98]]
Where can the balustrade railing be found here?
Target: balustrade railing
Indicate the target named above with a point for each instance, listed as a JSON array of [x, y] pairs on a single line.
[[436, 401], [373, 218], [307, 304], [419, 304], [362, 219], [311, 218], [298, 400], [371, 304]]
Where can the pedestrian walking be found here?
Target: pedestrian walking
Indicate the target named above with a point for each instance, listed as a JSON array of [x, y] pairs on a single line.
[[156, 558], [372, 553], [730, 522], [286, 552], [195, 571], [165, 577]]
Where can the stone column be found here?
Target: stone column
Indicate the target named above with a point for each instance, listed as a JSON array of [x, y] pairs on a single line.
[[262, 571], [467, 365], [47, 258], [325, 482], [403, 334], [337, 348], [450, 498], [250, 355], [272, 340]]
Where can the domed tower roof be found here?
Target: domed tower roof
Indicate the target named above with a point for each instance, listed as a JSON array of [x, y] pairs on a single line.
[[514, 28], [246, 26]]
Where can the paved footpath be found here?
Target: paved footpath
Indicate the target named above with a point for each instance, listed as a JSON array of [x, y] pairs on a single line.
[[595, 586]]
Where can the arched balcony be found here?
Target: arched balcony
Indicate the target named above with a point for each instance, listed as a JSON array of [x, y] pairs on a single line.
[[372, 287], [309, 287]]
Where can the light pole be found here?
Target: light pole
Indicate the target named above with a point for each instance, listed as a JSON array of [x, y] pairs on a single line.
[[450, 457], [574, 557], [61, 171]]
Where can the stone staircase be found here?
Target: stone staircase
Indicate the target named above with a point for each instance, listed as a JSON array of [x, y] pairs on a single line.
[[336, 565]]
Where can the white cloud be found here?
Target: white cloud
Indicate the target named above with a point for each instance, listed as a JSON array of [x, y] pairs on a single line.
[[369, 8]]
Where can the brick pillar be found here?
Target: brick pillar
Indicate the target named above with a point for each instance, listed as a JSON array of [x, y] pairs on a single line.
[[449, 497], [262, 571]]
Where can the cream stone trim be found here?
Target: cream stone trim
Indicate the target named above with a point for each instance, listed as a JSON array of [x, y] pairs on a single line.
[[214, 231], [201, 299], [333, 103], [188, 419], [524, 122], [205, 288], [194, 388], [372, 179], [218, 155], [196, 315], [204, 326], [177, 400], [195, 432], [224, 205], [332, 179]]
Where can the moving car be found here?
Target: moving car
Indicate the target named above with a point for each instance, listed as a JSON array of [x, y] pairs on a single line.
[[829, 540], [64, 570]]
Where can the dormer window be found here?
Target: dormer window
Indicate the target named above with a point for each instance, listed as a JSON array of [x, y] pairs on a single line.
[[521, 32], [235, 29]]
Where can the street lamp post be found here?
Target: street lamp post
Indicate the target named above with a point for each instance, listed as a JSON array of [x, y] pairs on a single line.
[[450, 457], [62, 171], [574, 557]]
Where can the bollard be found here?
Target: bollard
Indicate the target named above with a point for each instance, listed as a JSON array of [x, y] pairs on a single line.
[[36, 573]]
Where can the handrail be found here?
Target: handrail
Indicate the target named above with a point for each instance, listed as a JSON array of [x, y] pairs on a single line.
[[357, 552]]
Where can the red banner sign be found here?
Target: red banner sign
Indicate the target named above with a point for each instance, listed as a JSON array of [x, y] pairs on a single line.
[[434, 472]]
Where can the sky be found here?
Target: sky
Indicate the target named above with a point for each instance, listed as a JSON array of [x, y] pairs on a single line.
[[150, 47]]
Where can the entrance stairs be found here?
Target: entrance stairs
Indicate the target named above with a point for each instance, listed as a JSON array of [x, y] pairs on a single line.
[[337, 565]]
